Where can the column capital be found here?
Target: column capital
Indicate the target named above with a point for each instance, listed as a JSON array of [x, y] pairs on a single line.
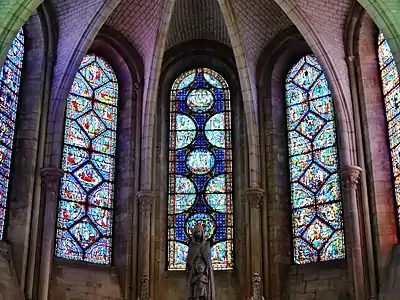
[[145, 199], [351, 176], [255, 197], [51, 179]]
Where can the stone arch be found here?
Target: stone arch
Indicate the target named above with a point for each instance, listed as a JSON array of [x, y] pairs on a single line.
[[72, 46], [249, 93], [277, 59], [335, 68], [24, 195], [386, 14], [178, 59], [377, 198], [14, 14], [129, 70]]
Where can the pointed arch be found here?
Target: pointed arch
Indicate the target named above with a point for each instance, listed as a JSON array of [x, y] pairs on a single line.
[[317, 210], [85, 208], [200, 166], [391, 95], [10, 78]]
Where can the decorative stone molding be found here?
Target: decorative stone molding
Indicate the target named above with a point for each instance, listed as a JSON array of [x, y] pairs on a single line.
[[145, 199], [351, 176], [144, 287], [255, 197], [256, 279], [51, 179]]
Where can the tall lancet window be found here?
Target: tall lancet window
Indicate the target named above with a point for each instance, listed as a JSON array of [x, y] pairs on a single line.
[[85, 208], [200, 167], [317, 212], [391, 93], [10, 78]]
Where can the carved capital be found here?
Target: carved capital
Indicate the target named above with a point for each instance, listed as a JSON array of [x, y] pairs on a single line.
[[350, 177], [144, 287], [51, 179], [145, 199], [255, 197]]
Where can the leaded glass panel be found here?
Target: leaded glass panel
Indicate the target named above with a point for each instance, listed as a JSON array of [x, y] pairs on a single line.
[[85, 212], [10, 79], [200, 166], [317, 213], [391, 93]]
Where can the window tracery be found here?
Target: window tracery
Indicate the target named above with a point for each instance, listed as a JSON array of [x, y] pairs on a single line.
[[391, 93], [85, 208], [317, 211], [200, 166], [10, 79]]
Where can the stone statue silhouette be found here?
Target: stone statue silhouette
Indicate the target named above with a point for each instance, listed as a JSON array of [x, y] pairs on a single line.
[[199, 268]]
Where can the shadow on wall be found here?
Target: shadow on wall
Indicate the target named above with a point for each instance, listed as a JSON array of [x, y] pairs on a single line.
[[9, 288]]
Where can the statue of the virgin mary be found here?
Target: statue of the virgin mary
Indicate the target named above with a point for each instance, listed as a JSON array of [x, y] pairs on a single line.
[[199, 268]]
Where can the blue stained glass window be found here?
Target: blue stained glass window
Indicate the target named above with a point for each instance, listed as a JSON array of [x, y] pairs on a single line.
[[10, 78], [85, 208], [200, 167], [317, 212], [391, 93]]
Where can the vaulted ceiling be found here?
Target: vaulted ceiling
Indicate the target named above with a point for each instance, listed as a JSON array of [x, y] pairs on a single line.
[[258, 21]]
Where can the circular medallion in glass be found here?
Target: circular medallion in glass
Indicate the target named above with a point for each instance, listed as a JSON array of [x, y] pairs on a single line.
[[200, 100], [184, 131], [206, 221], [200, 161]]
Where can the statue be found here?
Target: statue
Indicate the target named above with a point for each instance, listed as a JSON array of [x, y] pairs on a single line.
[[256, 288], [199, 268]]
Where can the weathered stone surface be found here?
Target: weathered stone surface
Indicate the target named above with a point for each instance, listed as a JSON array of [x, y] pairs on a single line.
[[9, 288]]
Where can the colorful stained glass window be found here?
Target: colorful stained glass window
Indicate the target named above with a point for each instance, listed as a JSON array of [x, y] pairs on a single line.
[[200, 167], [391, 93], [317, 212], [10, 78], [85, 208]]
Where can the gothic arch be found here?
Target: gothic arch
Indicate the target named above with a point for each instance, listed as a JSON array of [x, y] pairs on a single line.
[[24, 205], [277, 59], [386, 15], [10, 23], [374, 153], [181, 58], [128, 67], [335, 68]]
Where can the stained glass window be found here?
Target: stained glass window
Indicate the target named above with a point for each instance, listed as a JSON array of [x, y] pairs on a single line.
[[200, 167], [317, 213], [10, 78], [391, 93], [85, 208]]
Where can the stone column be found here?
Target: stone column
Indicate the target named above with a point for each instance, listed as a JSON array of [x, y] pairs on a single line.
[[255, 197], [145, 200], [350, 178], [51, 184]]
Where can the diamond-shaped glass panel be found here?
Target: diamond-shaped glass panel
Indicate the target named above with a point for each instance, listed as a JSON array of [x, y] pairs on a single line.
[[317, 234], [84, 232], [92, 125], [314, 177], [88, 176], [94, 75], [311, 125], [307, 76]]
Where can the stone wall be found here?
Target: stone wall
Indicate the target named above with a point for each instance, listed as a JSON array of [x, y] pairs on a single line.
[[79, 281], [9, 288], [326, 281]]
